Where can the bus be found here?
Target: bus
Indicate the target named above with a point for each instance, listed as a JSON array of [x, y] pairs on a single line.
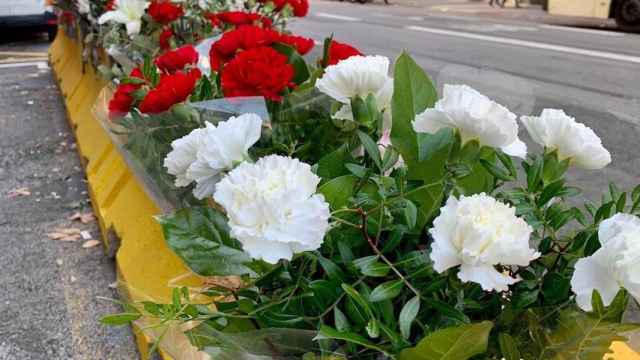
[[625, 12]]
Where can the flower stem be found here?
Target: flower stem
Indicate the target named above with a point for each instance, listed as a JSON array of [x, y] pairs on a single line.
[[381, 255]]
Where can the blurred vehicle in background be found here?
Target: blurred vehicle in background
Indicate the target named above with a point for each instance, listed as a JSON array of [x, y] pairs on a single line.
[[28, 14], [625, 12]]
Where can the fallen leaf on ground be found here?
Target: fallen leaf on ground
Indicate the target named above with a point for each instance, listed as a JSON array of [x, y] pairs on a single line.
[[84, 218], [62, 236], [90, 243], [86, 235], [19, 192], [65, 234]]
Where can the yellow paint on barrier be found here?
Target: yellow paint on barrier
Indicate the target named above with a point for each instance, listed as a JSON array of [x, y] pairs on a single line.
[[146, 266]]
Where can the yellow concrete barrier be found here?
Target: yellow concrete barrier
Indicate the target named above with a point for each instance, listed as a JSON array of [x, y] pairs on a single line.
[[146, 266], [124, 211]]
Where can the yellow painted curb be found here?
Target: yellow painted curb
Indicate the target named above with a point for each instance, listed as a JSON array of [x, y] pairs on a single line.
[[125, 212]]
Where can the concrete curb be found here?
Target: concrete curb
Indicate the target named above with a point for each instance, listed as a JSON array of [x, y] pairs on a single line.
[[146, 266], [124, 211]]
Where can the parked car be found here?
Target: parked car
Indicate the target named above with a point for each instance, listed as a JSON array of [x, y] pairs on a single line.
[[36, 14]]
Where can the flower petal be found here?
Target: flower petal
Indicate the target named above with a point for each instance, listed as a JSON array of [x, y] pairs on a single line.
[[517, 149], [591, 274], [487, 276]]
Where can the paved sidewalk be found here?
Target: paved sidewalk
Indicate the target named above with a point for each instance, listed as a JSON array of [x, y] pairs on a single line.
[[48, 288]]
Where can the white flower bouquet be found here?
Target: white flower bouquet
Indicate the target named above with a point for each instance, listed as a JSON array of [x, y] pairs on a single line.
[[359, 214], [410, 237]]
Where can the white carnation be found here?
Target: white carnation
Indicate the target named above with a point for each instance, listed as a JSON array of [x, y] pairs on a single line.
[[184, 153], [358, 76], [475, 117], [613, 266], [221, 148], [273, 209], [477, 233], [206, 154], [127, 12], [556, 130]]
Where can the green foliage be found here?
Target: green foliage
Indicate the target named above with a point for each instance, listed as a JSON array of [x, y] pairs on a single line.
[[413, 93], [579, 335], [455, 343], [371, 288], [200, 236], [300, 66]]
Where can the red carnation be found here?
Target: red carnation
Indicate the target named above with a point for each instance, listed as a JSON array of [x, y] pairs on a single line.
[[172, 89], [339, 51], [121, 102], [164, 12], [257, 72], [177, 59], [110, 5], [300, 7], [243, 38], [165, 38], [213, 18], [302, 44], [238, 18]]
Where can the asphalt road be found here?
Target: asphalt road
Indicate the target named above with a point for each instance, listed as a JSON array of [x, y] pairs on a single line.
[[49, 289], [593, 74]]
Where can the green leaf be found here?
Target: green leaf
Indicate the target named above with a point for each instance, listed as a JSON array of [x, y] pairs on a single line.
[[616, 309], [338, 191], [496, 171], [386, 290], [407, 315], [508, 347], [428, 199], [534, 174], [370, 266], [327, 332], [325, 50], [430, 144], [413, 92], [120, 319], [373, 329], [333, 271], [359, 299], [371, 148], [555, 287], [584, 336], [340, 320], [200, 237], [410, 214], [332, 165], [300, 66], [453, 343]]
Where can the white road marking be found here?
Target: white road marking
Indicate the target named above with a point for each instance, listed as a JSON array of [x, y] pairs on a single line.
[[415, 18], [530, 44], [336, 17], [38, 64], [581, 30]]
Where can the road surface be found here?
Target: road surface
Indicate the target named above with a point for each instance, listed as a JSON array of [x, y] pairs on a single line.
[[592, 74], [49, 289]]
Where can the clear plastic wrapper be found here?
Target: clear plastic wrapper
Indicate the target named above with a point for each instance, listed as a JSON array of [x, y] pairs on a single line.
[[144, 141]]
